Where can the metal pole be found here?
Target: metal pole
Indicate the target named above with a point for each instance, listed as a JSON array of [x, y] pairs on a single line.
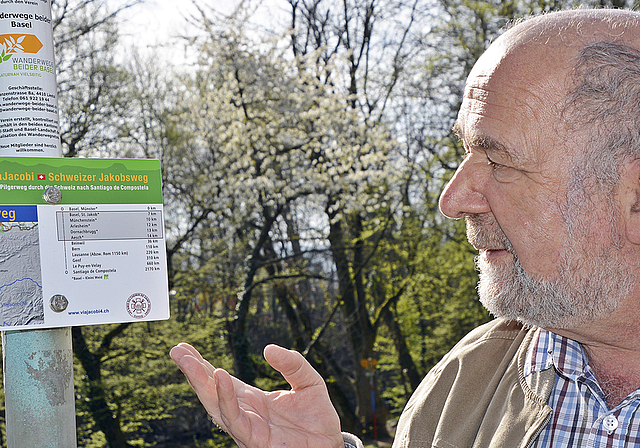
[[38, 384], [37, 364]]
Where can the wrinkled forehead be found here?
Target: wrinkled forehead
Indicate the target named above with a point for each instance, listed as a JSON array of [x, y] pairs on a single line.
[[526, 55], [529, 75], [512, 94]]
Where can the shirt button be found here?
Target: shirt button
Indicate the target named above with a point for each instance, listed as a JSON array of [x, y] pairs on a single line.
[[610, 423]]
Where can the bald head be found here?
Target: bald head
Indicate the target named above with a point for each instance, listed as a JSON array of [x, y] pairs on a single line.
[[577, 28], [551, 42]]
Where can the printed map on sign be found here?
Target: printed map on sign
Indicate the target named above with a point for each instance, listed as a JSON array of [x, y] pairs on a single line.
[[20, 279]]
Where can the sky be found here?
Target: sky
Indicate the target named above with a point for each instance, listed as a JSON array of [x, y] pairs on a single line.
[[159, 22], [156, 22]]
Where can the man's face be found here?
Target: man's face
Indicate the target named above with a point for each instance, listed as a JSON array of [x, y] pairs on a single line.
[[546, 256]]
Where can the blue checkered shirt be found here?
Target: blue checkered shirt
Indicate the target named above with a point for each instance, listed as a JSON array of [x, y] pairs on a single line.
[[580, 417]]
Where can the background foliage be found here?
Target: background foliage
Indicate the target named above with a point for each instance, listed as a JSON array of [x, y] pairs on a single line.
[[302, 164]]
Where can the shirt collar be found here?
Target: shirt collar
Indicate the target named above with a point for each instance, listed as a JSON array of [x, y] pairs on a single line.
[[550, 349]]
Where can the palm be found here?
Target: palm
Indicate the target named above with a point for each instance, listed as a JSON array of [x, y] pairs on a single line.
[[301, 417]]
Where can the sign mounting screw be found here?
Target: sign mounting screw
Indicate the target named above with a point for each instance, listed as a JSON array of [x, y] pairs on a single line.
[[58, 303], [52, 195]]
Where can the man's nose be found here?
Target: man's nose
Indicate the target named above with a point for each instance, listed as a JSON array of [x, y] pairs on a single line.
[[464, 195]]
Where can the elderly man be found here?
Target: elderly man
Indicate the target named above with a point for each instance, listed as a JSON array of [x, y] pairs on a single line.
[[550, 190]]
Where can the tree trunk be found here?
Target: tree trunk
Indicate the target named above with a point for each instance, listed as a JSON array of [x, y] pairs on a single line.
[[321, 359], [404, 356], [98, 406], [361, 333]]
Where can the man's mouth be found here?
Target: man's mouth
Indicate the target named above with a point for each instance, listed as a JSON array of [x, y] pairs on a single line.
[[487, 237], [493, 253]]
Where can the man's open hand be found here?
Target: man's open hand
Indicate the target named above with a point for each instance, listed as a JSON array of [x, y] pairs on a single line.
[[301, 417]]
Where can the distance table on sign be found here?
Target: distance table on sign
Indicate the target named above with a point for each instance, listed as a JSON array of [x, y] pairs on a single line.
[[90, 233], [90, 223]]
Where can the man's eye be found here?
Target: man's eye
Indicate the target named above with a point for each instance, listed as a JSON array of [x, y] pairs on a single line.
[[504, 173], [495, 165]]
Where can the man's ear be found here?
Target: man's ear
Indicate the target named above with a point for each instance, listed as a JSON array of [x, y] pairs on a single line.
[[629, 195]]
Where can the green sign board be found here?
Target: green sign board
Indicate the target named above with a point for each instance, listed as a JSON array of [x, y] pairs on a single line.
[[80, 181]]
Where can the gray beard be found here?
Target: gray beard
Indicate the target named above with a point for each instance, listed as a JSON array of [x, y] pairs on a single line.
[[587, 286]]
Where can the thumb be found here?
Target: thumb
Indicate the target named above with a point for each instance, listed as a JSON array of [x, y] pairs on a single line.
[[293, 367]]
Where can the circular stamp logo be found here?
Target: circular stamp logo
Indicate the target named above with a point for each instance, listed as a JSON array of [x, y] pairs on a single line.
[[138, 305]]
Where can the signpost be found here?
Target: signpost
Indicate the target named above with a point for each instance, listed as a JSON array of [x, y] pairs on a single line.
[[81, 240], [37, 365]]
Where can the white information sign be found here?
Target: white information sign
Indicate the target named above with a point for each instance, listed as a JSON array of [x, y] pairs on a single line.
[[29, 122], [119, 248]]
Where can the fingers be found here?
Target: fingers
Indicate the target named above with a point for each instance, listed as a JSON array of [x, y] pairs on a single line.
[[185, 349], [292, 365], [181, 350], [227, 398], [200, 374], [188, 358], [216, 389]]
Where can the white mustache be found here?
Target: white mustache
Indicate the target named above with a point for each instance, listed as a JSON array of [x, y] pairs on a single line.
[[484, 233]]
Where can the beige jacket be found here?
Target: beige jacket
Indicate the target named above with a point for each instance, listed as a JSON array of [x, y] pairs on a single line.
[[476, 395]]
